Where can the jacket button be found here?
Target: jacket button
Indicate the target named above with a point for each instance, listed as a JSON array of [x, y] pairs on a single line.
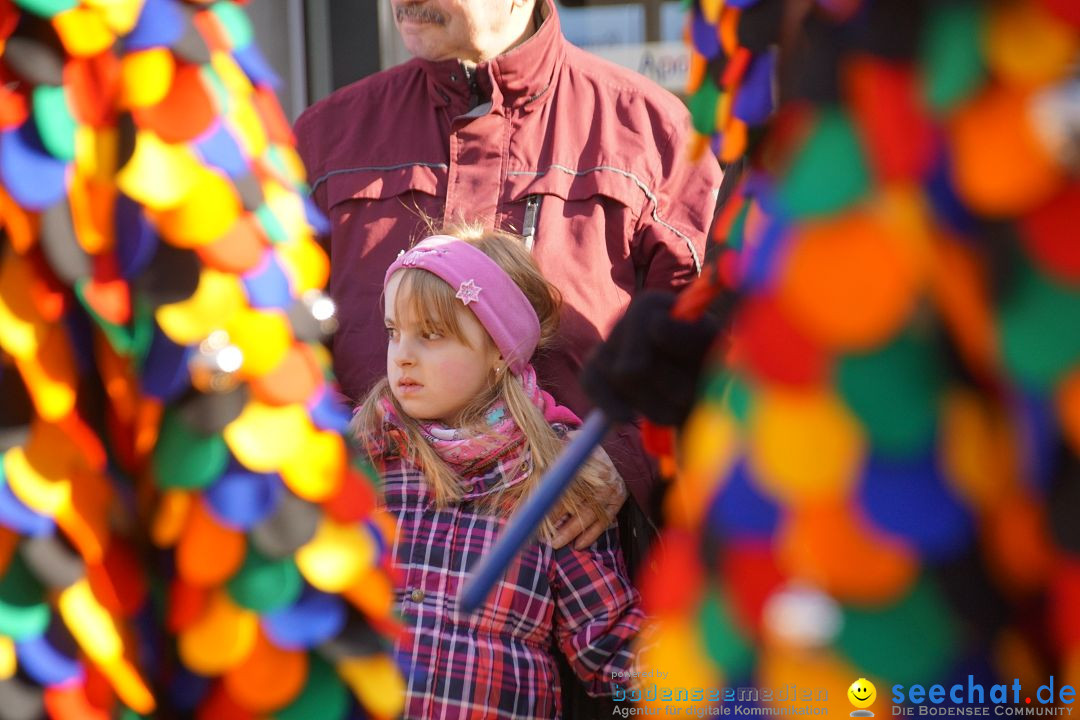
[[416, 595]]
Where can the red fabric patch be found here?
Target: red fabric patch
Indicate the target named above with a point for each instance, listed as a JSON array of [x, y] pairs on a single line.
[[218, 705], [71, 701], [354, 501], [186, 605], [1049, 234], [93, 85], [752, 576], [775, 349], [118, 581], [676, 556], [1067, 10], [1064, 599], [893, 122], [185, 113], [14, 107]]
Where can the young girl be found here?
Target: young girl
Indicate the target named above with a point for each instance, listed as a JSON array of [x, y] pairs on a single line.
[[461, 433]]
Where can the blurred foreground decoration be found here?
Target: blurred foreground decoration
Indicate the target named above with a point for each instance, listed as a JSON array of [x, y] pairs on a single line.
[[181, 529], [881, 478]]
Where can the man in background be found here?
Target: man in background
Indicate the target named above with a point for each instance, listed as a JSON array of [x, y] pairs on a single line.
[[498, 119]]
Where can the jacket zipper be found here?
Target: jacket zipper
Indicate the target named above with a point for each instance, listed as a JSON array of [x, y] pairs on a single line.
[[474, 86], [532, 212]]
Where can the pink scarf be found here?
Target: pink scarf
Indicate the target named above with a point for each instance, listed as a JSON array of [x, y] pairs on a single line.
[[463, 450]]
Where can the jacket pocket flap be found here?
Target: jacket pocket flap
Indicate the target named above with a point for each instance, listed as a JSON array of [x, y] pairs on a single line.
[[578, 184], [384, 182]]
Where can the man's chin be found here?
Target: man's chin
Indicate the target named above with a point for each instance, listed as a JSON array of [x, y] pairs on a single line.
[[418, 41]]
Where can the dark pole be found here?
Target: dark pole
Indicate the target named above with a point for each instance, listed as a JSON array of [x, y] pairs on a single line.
[[342, 44], [652, 20]]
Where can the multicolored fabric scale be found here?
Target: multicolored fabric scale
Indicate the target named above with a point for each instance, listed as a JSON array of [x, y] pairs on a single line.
[[182, 531], [881, 479]]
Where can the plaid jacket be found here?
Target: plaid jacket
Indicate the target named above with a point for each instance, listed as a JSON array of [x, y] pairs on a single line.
[[498, 663]]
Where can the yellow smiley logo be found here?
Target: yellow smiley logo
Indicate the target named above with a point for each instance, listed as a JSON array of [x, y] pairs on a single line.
[[862, 693]]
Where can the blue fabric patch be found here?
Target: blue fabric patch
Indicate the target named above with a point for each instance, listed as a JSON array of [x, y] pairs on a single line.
[[314, 618], [242, 499], [328, 412], [165, 371], [319, 222], [754, 98], [136, 241], [740, 510], [1040, 433], [267, 285], [258, 70], [704, 36], [33, 177], [161, 23], [219, 148], [910, 498], [761, 260], [16, 516], [947, 205], [43, 661], [186, 689]]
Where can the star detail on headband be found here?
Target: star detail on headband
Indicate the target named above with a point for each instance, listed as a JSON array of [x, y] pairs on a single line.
[[468, 292]]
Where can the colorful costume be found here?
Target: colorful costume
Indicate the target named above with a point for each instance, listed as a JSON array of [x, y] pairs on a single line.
[[879, 478], [181, 529]]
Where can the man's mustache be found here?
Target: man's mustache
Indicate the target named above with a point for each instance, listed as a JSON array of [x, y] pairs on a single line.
[[419, 13]]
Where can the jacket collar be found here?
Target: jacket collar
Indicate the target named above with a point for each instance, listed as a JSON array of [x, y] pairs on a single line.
[[522, 76]]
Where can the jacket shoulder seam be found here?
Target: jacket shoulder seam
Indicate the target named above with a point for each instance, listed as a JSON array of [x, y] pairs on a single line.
[[366, 84], [652, 94]]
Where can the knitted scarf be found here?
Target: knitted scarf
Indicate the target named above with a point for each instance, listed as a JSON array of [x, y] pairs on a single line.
[[464, 450]]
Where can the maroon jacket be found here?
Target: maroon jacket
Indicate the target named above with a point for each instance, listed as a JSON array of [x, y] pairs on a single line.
[[588, 158]]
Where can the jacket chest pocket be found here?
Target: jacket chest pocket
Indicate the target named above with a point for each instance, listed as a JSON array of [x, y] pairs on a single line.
[[582, 215], [377, 204], [582, 225]]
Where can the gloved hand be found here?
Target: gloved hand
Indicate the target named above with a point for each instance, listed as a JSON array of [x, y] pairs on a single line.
[[651, 363]]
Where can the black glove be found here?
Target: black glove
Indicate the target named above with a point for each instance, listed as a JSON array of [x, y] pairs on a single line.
[[651, 363]]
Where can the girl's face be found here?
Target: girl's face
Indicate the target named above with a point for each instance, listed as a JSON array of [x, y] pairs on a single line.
[[435, 376]]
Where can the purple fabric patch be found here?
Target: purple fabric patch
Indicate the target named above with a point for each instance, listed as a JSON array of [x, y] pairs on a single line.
[[34, 178], [704, 36], [754, 98]]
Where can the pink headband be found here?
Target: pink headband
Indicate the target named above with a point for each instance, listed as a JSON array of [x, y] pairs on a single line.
[[484, 288]]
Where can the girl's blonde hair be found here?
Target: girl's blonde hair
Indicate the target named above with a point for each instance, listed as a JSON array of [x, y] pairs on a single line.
[[432, 303]]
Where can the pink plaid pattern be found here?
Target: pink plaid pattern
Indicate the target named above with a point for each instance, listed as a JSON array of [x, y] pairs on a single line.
[[498, 662]]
